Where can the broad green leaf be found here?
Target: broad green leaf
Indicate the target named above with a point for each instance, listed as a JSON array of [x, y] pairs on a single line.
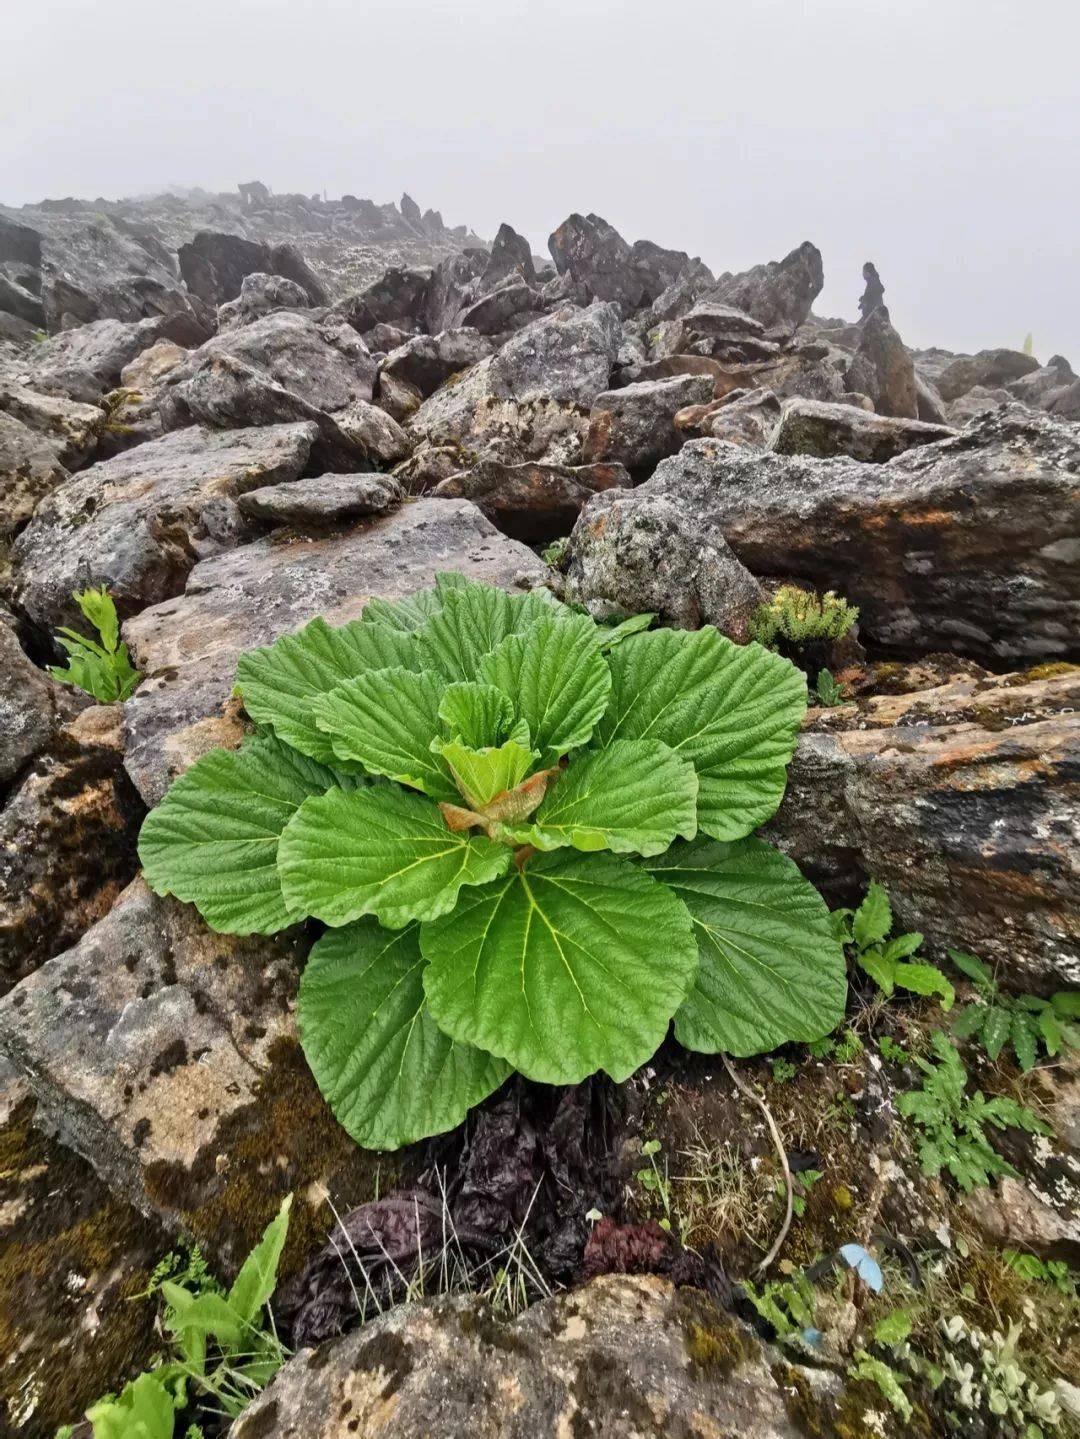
[[880, 968], [144, 1410], [279, 682], [566, 966], [557, 680], [1066, 1003], [970, 1021], [612, 635], [873, 918], [407, 615], [99, 609], [635, 797], [1052, 1033], [386, 1069], [995, 1031], [386, 720], [472, 621], [255, 1283], [213, 840], [903, 945], [210, 1315], [771, 970], [380, 851], [925, 979], [732, 710], [476, 714], [973, 967], [1025, 1040], [481, 774]]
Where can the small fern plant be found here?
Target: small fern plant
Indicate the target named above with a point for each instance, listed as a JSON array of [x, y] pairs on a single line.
[[1025, 1021], [102, 667], [953, 1123], [529, 840], [865, 931]]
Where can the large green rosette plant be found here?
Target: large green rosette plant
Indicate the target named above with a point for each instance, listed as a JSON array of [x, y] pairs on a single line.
[[529, 838]]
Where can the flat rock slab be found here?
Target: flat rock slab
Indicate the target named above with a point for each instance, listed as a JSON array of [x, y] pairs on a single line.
[[139, 522], [189, 646], [322, 501], [813, 427], [166, 1055], [964, 802], [622, 1356], [532, 502], [970, 544]]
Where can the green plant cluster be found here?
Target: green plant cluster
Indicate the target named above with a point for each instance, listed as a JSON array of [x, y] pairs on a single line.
[[954, 1123], [220, 1351], [101, 667], [796, 616], [1026, 1022], [530, 838], [887, 961]]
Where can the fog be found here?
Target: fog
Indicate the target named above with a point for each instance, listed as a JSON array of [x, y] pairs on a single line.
[[938, 139]]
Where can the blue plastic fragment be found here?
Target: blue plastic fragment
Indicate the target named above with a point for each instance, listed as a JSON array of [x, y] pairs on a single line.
[[868, 1269]]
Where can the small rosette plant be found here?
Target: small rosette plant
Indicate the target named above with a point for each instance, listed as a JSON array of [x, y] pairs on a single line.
[[529, 839]]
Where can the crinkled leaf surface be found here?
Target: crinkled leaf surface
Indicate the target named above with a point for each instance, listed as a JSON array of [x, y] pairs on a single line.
[[213, 840], [476, 714], [732, 710], [379, 851], [471, 622], [635, 797], [481, 774], [567, 965], [386, 1069], [556, 678], [407, 615], [279, 682], [386, 720], [770, 969]]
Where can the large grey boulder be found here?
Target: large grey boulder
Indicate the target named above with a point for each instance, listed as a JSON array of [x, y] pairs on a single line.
[[636, 550], [624, 1357], [533, 502], [531, 399], [214, 266], [713, 328], [780, 293], [428, 361], [810, 427], [321, 501], [261, 295], [511, 255], [969, 544], [635, 426], [73, 429], [883, 369], [394, 298], [85, 362], [743, 417], [188, 647], [989, 368], [963, 802], [29, 470], [1043, 388], [598, 260], [140, 521], [32, 707], [508, 306]]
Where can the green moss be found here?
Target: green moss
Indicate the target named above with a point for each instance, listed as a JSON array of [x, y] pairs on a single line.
[[716, 1344], [1042, 672]]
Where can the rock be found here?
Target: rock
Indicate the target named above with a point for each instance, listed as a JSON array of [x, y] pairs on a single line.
[[67, 841], [165, 1055], [19, 243], [22, 303], [729, 335], [633, 551], [139, 522], [151, 368], [745, 417], [393, 299], [450, 290], [214, 266], [873, 296], [976, 403], [1044, 387], [598, 259], [29, 470], [72, 429], [928, 398], [399, 399], [989, 368], [883, 369], [530, 400], [635, 426], [261, 295], [501, 308], [85, 362], [32, 707], [428, 465], [323, 501], [1015, 1215], [624, 1355], [969, 544], [510, 256], [809, 372], [809, 427], [531, 502], [428, 361], [778, 294], [725, 378], [963, 802], [410, 210], [372, 433], [101, 270], [322, 363], [1067, 405], [188, 647]]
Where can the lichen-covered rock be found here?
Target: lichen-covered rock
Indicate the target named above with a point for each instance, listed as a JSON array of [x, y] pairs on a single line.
[[73, 429], [635, 426], [261, 295], [532, 502], [166, 1056], [214, 266], [188, 647], [32, 707], [968, 544], [963, 802], [883, 368], [598, 260], [623, 1356], [744, 417], [989, 368], [531, 399], [633, 551], [321, 501], [780, 293], [67, 841], [810, 427], [428, 361], [139, 522], [29, 470], [85, 362], [372, 434]]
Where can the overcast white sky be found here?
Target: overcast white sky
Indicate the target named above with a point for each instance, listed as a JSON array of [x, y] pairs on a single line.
[[940, 138]]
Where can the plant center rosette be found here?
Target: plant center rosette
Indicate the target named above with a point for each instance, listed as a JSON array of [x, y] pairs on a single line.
[[529, 838]]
